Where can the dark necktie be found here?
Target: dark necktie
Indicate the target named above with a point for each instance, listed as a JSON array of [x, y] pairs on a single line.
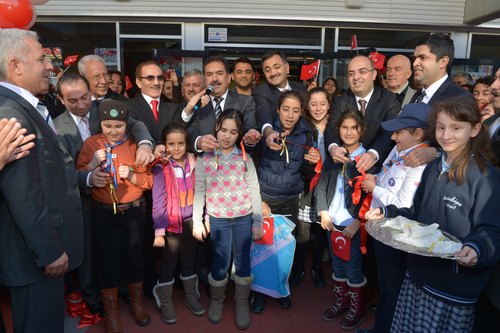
[[154, 104], [362, 104], [420, 97], [97, 102], [218, 107]]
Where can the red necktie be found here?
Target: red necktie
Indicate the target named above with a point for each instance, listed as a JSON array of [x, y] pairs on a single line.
[[154, 104]]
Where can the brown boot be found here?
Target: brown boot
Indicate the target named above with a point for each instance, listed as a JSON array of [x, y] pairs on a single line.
[[341, 304], [191, 294], [217, 297], [357, 312], [141, 317], [110, 304], [241, 294], [162, 293]]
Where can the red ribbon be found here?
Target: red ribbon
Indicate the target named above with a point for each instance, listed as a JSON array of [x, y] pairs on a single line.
[[356, 183], [314, 181], [76, 307]]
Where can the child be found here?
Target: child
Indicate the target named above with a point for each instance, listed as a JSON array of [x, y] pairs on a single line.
[[309, 232], [118, 212], [459, 191], [334, 204], [282, 174], [226, 182], [173, 192], [396, 184]]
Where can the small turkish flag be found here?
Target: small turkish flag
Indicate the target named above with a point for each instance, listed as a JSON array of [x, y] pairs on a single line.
[[268, 237], [128, 84], [70, 60], [341, 245], [378, 60], [354, 42], [309, 71]]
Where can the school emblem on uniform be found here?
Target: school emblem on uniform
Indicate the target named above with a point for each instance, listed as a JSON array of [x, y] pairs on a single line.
[[392, 182], [113, 113]]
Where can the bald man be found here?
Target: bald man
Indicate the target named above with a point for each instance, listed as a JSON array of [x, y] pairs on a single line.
[[398, 72]]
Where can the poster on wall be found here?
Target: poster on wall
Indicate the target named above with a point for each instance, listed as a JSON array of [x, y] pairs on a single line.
[[217, 35], [108, 54]]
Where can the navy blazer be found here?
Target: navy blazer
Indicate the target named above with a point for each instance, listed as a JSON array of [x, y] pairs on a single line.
[[447, 89], [383, 105], [203, 121], [40, 209], [267, 98]]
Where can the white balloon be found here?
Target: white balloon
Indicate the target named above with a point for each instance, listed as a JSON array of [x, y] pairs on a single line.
[[38, 2]]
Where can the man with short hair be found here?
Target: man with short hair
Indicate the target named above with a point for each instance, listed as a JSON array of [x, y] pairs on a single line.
[[202, 124], [243, 76], [398, 72], [460, 79], [276, 69], [192, 83], [41, 227]]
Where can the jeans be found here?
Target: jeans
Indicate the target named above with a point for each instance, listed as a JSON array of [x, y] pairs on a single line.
[[231, 234], [351, 270]]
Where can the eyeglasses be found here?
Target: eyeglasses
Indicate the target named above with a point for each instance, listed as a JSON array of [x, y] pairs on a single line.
[[151, 78], [362, 71], [98, 77]]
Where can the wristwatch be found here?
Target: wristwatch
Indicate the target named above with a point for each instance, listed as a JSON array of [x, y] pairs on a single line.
[[147, 144]]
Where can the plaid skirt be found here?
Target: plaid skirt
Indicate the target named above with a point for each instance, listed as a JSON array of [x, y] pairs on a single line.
[[308, 214], [417, 311]]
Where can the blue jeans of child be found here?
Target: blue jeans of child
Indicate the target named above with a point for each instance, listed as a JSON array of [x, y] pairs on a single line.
[[351, 270], [231, 234]]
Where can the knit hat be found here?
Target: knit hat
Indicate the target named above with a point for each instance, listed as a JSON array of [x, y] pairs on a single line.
[[111, 109]]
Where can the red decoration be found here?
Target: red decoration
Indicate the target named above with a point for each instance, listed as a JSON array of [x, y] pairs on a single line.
[[378, 60], [316, 177], [128, 84], [354, 42], [70, 60], [309, 71], [341, 245], [268, 237], [15, 14]]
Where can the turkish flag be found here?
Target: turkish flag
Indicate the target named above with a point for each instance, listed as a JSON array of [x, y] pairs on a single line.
[[268, 237], [128, 84], [309, 71], [70, 60], [341, 245], [378, 60], [354, 42]]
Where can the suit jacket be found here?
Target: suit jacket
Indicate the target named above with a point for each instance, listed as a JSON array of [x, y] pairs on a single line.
[[203, 121], [410, 92], [267, 98], [495, 138], [383, 105], [447, 89], [140, 110], [40, 205]]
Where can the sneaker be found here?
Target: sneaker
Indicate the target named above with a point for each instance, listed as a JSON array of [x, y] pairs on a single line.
[[317, 276], [296, 276]]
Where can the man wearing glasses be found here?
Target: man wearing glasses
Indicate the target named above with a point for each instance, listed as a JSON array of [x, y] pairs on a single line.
[[375, 103]]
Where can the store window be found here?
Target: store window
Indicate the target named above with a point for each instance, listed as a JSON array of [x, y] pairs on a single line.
[[389, 39], [485, 46]]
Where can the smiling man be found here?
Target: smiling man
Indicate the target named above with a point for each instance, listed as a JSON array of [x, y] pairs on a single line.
[[398, 72], [243, 76]]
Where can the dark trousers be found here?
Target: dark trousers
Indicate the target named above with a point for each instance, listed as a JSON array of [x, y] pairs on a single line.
[[149, 252], [119, 245], [391, 269], [309, 235], [39, 307], [289, 206], [178, 248]]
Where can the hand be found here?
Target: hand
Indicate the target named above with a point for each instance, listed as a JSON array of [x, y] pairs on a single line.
[[173, 77], [199, 232], [266, 210], [366, 161], [13, 144], [99, 178], [326, 221], [468, 256], [144, 156], [252, 137], [374, 214], [97, 159], [312, 85], [420, 156], [160, 150], [339, 154], [258, 232], [58, 267], [351, 229], [124, 172], [207, 143], [205, 99], [313, 156], [369, 183], [159, 241], [273, 136]]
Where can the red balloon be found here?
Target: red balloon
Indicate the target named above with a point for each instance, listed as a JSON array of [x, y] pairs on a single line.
[[15, 13], [32, 22]]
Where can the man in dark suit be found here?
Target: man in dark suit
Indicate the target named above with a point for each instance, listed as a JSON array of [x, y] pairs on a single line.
[[202, 126], [494, 121], [376, 104], [41, 229], [276, 69], [146, 105]]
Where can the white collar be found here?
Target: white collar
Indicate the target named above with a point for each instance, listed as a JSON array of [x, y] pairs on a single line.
[[366, 98], [149, 99], [431, 90], [25, 94]]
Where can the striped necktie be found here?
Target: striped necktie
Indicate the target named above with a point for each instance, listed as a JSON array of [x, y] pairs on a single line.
[[218, 107]]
